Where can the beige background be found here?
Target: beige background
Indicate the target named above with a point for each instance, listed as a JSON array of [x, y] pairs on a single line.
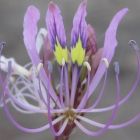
[[100, 12]]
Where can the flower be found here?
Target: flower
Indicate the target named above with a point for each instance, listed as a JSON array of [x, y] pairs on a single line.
[[80, 68]]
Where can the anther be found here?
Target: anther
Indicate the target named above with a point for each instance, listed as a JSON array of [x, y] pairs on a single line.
[[63, 62], [84, 82], [116, 67], [87, 65], [133, 43], [39, 66], [2, 44], [106, 62], [49, 66]]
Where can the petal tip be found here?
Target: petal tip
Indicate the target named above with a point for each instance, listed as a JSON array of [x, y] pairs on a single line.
[[32, 11], [52, 6], [83, 4], [32, 8], [125, 10]]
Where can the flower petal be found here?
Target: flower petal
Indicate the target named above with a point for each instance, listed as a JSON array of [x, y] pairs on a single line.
[[110, 37], [108, 52], [30, 30], [79, 25], [109, 47], [55, 25]]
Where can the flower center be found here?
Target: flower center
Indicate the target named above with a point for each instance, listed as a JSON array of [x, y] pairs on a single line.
[[70, 114]]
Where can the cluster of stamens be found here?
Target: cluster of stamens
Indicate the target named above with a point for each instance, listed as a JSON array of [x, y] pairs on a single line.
[[70, 114]]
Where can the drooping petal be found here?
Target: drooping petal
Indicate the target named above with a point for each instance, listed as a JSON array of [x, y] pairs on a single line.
[[109, 46], [29, 32], [54, 22], [79, 25], [108, 52]]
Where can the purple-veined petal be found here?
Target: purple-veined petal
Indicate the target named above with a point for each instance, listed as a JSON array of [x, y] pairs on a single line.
[[79, 25], [108, 52], [55, 25]]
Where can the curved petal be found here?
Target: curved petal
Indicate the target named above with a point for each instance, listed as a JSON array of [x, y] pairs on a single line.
[[132, 89], [55, 25], [110, 37], [30, 31], [108, 52], [79, 25], [29, 130]]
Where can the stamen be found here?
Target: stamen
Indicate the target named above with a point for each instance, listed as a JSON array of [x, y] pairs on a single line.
[[110, 120], [84, 82], [16, 68], [134, 85], [87, 65], [106, 62], [70, 114], [74, 84], [29, 130], [66, 85], [61, 86], [2, 45], [100, 94]]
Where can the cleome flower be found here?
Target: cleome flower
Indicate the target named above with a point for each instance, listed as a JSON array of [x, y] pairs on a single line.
[[80, 68]]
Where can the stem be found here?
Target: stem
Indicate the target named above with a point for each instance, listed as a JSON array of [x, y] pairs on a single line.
[[62, 137]]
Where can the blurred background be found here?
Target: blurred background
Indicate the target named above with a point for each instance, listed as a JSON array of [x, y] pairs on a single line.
[[100, 13]]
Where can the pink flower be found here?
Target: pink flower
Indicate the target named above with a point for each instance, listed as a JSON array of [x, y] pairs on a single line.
[[80, 68]]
